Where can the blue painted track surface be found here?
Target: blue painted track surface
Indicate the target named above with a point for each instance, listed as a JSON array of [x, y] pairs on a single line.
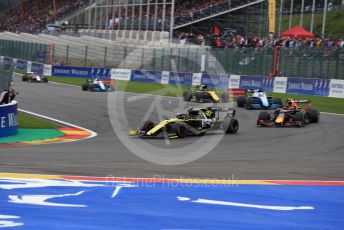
[[172, 206]]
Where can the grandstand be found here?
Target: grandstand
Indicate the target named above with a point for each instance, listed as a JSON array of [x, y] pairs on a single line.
[[148, 34]]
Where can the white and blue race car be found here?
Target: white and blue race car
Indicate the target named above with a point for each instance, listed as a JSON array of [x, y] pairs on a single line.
[[259, 100], [97, 85]]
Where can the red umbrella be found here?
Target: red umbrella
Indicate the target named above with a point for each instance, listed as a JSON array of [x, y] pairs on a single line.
[[297, 32]]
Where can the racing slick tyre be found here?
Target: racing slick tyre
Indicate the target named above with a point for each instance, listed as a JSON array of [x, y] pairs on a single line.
[[181, 131], [277, 101], [249, 102], [199, 96], [148, 125], [25, 78], [187, 95], [230, 125], [313, 115], [85, 87], [45, 80], [300, 119], [225, 98], [264, 116], [241, 101]]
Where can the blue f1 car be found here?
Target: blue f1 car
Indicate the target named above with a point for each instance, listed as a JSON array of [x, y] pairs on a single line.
[[97, 85], [259, 100]]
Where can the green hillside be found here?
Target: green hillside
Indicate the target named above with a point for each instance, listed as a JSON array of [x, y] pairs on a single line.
[[334, 23]]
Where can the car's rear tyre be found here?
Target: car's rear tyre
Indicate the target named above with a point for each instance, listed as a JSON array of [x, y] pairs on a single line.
[[25, 78], [241, 101], [148, 125], [187, 95], [230, 125], [45, 80], [249, 102], [181, 131], [277, 101], [264, 116], [92, 87], [313, 115], [199, 96], [300, 118], [84, 87]]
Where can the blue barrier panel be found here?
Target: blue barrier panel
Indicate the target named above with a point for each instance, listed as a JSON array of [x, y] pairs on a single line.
[[215, 81], [180, 78], [146, 76], [8, 120], [257, 82], [81, 72], [307, 86], [37, 68], [21, 65]]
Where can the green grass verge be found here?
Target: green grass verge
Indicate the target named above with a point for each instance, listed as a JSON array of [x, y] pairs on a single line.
[[324, 104], [132, 87], [334, 22], [27, 121], [68, 80]]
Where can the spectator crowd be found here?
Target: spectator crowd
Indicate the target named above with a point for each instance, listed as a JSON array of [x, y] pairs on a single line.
[[32, 17]]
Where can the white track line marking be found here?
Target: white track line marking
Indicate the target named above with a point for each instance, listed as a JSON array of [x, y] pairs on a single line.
[[93, 134], [335, 114]]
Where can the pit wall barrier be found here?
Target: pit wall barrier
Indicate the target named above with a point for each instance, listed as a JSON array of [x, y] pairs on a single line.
[[8, 119], [305, 86]]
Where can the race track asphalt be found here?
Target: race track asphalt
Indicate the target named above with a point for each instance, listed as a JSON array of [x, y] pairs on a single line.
[[313, 152]]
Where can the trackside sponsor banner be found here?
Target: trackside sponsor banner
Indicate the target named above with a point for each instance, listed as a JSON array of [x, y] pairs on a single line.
[[317, 87], [197, 79], [165, 77], [146, 76], [21, 65], [47, 70], [29, 64], [180, 78], [257, 82], [215, 81], [234, 82], [121, 74], [8, 119], [81, 72], [337, 88], [280, 84], [37, 68]]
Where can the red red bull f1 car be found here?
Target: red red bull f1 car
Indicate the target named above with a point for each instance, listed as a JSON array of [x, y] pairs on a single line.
[[290, 115]]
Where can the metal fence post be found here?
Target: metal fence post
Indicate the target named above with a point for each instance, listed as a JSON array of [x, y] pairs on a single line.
[[86, 53], [67, 55], [162, 59], [142, 57], [105, 55]]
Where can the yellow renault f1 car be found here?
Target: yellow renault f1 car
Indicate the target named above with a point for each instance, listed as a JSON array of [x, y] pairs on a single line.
[[194, 123], [203, 94], [290, 115]]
